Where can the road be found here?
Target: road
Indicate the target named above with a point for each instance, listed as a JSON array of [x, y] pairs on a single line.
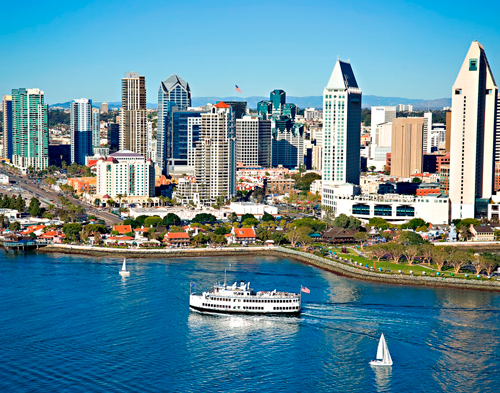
[[46, 195]]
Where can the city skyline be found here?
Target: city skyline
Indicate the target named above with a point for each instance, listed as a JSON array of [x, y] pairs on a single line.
[[387, 61]]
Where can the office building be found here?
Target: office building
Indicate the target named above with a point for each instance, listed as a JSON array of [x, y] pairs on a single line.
[[133, 116], [427, 133], [81, 130], [174, 92], [30, 134], [404, 108], [239, 108], [380, 115], [113, 137], [407, 146], [185, 130], [96, 128], [125, 173], [104, 107], [7, 127], [473, 127], [287, 136], [341, 127], [59, 153], [253, 141]]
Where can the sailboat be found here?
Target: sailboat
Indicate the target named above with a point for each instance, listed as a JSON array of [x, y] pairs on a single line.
[[124, 271], [383, 355]]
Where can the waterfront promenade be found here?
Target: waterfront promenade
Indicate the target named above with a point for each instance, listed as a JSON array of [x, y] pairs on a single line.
[[338, 265]]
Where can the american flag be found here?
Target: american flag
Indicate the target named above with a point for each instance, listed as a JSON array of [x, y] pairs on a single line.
[[304, 289], [237, 88]]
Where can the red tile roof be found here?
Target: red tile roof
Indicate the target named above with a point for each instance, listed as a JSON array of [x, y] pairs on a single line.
[[122, 229], [120, 238], [176, 235], [244, 232], [222, 105]]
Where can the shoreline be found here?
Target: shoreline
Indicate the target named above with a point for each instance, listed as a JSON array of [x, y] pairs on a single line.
[[310, 259]]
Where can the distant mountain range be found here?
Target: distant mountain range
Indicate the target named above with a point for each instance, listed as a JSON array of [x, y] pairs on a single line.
[[301, 102]]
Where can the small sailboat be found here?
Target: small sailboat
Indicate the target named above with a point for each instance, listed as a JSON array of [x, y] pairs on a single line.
[[124, 272], [383, 355]]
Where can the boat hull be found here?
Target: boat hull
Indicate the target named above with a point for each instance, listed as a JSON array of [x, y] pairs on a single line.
[[379, 363], [293, 313], [125, 274]]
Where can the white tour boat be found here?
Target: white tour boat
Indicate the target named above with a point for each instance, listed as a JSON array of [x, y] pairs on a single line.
[[234, 299], [383, 355]]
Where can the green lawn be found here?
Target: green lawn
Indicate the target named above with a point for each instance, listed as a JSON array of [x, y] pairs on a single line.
[[395, 267]]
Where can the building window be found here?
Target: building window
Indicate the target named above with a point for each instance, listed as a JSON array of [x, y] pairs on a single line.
[[472, 64], [383, 210]]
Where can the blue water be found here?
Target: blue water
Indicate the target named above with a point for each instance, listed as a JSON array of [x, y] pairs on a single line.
[[72, 324]]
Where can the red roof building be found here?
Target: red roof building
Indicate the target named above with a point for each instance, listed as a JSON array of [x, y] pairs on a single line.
[[122, 229], [177, 239]]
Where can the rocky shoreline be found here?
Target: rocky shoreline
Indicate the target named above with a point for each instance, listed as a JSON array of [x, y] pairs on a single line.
[[310, 259]]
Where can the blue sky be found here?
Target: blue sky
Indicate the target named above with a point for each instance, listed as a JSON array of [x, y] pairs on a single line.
[[73, 49]]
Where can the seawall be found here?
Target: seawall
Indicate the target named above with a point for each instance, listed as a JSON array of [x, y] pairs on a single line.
[[336, 267]]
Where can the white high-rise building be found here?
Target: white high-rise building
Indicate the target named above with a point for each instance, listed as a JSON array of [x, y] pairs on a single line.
[[341, 133], [427, 133], [81, 130], [473, 126], [253, 141], [133, 116], [125, 173], [215, 166], [341, 127], [380, 115]]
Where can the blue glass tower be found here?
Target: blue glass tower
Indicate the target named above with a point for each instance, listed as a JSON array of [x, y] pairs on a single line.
[[81, 130], [174, 92]]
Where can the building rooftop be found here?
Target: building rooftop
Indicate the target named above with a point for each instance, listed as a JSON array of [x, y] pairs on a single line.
[[126, 154]]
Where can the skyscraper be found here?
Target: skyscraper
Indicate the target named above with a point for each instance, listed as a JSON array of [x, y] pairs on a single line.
[[81, 130], [287, 141], [30, 135], [341, 127], [96, 128], [407, 146], [473, 122], [173, 92], [7, 127], [253, 141], [215, 170], [104, 107], [133, 116]]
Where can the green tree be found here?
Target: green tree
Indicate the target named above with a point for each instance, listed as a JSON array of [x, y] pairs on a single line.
[[277, 237], [233, 217], [410, 238], [72, 230], [153, 221], [249, 222], [379, 223], [34, 207], [171, 219], [415, 223], [20, 204], [304, 182], [416, 180], [267, 217], [316, 225], [203, 218], [14, 226], [246, 216]]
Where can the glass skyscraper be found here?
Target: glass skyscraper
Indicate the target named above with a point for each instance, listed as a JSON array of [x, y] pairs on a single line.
[[174, 92], [81, 130], [30, 134]]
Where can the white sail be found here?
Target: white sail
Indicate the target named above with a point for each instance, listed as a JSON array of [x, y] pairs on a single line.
[[381, 347], [387, 356], [124, 266], [383, 356]]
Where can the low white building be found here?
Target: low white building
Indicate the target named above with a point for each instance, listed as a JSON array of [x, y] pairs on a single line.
[[316, 187], [394, 208], [125, 173], [4, 179], [257, 209]]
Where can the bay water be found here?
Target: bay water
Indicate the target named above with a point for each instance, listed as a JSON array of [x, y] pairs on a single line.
[[73, 324]]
